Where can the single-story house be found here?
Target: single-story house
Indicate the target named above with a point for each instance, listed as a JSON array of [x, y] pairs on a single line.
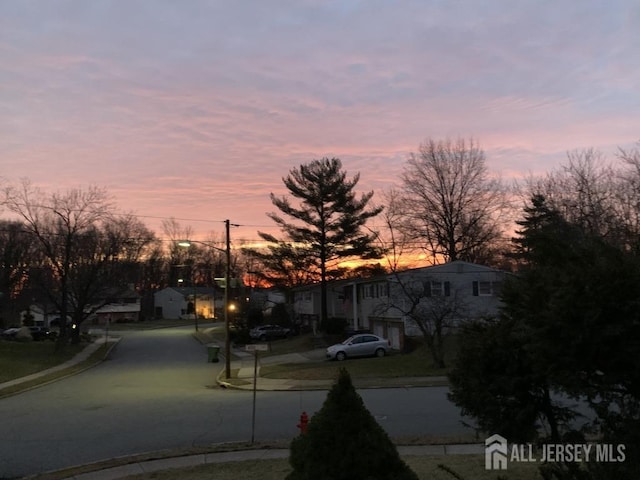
[[117, 305]]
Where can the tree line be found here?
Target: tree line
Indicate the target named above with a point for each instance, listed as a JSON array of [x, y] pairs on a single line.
[[447, 206]]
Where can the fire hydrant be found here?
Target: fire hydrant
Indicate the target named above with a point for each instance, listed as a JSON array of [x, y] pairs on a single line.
[[304, 420]]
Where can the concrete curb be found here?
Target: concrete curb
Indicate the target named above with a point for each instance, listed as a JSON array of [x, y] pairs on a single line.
[[267, 384], [186, 461]]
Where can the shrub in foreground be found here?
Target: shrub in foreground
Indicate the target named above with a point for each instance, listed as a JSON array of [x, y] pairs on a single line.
[[344, 441]]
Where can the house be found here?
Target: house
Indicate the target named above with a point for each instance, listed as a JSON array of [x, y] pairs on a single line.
[[177, 302], [266, 299], [38, 314], [116, 305], [382, 303]]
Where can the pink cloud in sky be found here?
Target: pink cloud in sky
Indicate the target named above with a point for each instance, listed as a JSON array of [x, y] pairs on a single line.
[[196, 110]]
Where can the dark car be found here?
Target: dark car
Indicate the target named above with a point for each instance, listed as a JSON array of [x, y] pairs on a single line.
[[40, 333], [10, 333], [268, 332]]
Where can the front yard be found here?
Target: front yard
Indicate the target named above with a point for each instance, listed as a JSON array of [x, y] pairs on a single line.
[[19, 359], [415, 362]]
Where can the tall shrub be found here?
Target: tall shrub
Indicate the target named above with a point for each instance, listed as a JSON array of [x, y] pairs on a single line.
[[344, 441]]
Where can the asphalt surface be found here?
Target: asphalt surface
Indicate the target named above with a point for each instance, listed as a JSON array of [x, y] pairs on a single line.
[[157, 392]]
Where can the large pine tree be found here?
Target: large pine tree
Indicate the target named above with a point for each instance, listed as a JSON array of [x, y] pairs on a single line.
[[328, 220]]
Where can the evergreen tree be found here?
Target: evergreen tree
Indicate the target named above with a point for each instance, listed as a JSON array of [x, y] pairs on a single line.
[[343, 441], [328, 222], [571, 325], [495, 380]]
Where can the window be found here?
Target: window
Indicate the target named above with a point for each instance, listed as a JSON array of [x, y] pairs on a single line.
[[375, 290], [437, 289], [486, 288]]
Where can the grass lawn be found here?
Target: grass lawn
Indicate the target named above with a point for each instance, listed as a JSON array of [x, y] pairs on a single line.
[[426, 467], [299, 343], [19, 359], [416, 363]]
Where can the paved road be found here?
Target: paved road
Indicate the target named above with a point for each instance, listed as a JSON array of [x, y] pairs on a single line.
[[155, 393]]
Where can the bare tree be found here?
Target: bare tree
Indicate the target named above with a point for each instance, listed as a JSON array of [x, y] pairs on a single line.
[[393, 238], [211, 260], [79, 244], [627, 195], [16, 251], [449, 202], [601, 198], [180, 260], [581, 190], [432, 305]]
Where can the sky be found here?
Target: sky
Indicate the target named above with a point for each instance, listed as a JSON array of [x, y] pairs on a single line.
[[195, 110]]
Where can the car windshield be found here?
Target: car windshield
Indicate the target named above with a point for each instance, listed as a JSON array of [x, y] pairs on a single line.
[[348, 341]]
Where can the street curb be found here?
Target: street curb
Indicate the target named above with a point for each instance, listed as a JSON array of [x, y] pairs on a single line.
[[137, 466], [325, 385]]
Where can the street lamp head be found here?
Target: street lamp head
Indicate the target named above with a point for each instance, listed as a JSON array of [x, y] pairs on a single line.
[[184, 243]]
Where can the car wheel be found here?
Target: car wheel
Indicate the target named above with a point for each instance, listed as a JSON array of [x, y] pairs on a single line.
[[380, 352], [262, 338], [341, 356]]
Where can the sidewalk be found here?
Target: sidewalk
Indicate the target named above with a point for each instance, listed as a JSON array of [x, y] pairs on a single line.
[[138, 468], [246, 365]]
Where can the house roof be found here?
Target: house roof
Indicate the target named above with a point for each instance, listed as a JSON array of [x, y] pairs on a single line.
[[119, 292], [187, 291], [457, 266]]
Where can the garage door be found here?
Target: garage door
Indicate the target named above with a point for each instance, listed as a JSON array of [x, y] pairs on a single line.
[[394, 337]]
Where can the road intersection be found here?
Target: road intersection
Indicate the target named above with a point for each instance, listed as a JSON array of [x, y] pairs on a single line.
[[157, 391]]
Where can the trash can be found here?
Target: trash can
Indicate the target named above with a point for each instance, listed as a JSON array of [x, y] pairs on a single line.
[[213, 350]]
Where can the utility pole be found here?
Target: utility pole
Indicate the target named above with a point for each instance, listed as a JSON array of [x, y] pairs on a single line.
[[227, 286]]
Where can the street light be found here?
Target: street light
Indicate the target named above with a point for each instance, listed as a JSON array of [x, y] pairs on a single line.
[[227, 284]]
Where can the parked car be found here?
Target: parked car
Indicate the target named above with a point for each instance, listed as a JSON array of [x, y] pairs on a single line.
[[363, 345], [37, 333], [40, 333], [269, 332], [10, 333]]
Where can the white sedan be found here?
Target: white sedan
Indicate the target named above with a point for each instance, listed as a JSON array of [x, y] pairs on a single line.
[[362, 345]]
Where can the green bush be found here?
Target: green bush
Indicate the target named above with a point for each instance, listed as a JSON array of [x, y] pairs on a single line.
[[344, 441]]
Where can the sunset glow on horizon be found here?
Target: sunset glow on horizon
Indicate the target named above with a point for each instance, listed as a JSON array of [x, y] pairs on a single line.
[[196, 110]]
